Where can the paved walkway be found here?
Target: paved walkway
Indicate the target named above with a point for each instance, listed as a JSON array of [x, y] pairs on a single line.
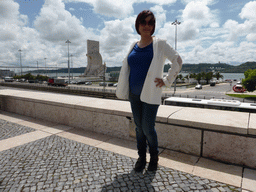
[[43, 156]]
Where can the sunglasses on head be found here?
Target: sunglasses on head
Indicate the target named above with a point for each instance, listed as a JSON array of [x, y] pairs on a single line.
[[151, 22]]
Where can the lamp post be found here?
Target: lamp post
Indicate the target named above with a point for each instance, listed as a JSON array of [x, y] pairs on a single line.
[[20, 63], [176, 22], [68, 62], [104, 80], [72, 66], [45, 66], [37, 67]]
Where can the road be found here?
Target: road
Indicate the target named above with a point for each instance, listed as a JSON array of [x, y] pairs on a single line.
[[218, 91]]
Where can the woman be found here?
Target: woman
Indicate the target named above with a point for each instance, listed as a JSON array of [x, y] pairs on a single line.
[[140, 81]]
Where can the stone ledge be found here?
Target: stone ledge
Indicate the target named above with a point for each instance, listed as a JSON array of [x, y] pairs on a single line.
[[217, 120], [201, 132]]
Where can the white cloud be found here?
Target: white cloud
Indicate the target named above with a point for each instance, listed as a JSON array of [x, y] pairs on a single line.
[[208, 2], [199, 13], [56, 24], [110, 8], [9, 10], [248, 28], [225, 52], [11, 20], [160, 15], [200, 38], [199, 26], [249, 11], [116, 38], [119, 8], [251, 37], [113, 8], [158, 2], [11, 31]]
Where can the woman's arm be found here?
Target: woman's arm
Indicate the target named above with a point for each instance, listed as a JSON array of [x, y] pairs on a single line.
[[159, 82], [176, 60]]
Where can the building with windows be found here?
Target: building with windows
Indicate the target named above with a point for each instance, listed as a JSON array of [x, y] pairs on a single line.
[[6, 73]]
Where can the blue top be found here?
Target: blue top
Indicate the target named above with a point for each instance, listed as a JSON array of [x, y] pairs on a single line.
[[139, 61]]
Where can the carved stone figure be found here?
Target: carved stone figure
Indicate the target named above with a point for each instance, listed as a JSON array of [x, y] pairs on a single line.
[[94, 68]]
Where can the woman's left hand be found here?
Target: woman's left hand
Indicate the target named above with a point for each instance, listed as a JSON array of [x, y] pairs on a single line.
[[159, 82]]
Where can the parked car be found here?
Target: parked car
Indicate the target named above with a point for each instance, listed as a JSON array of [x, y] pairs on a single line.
[[88, 83], [8, 79], [73, 82], [115, 85], [80, 82], [102, 84], [198, 86], [22, 80], [33, 81], [212, 83], [111, 84]]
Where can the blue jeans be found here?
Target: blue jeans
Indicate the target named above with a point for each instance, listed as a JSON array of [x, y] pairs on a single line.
[[144, 115]]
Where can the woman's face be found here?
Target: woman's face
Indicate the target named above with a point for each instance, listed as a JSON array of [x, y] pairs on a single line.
[[146, 26]]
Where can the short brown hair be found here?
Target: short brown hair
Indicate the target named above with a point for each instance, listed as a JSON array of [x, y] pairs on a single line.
[[142, 16]]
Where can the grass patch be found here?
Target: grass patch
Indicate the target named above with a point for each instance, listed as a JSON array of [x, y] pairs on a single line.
[[250, 97]]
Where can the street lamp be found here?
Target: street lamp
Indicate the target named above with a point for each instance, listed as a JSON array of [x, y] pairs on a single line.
[[20, 63], [45, 66], [104, 79], [68, 62], [176, 22], [72, 66], [56, 70], [37, 67]]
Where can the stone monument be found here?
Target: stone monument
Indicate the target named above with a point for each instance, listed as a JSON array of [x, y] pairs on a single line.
[[94, 68]]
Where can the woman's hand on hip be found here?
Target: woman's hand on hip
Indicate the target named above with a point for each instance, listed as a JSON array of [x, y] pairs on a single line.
[[159, 82]]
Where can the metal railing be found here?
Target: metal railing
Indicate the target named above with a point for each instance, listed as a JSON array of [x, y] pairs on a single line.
[[75, 90]]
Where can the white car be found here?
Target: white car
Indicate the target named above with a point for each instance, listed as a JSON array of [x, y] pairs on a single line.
[[88, 83], [198, 86], [8, 79]]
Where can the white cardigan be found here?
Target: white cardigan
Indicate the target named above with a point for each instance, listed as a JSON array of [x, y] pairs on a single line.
[[150, 93]]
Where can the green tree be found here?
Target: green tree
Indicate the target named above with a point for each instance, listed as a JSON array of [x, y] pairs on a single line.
[[192, 75], [208, 76], [218, 75], [250, 80], [28, 76], [198, 77], [167, 67], [203, 74], [180, 76], [41, 78]]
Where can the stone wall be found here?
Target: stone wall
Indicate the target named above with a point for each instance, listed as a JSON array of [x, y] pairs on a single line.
[[221, 135]]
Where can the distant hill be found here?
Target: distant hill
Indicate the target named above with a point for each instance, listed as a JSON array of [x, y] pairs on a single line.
[[220, 67], [186, 68], [206, 67], [62, 70]]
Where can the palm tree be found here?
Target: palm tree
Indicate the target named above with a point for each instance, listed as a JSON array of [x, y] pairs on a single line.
[[199, 77], [180, 76], [208, 77], [218, 75]]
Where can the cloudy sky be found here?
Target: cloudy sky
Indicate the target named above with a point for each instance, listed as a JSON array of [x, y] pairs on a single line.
[[211, 31]]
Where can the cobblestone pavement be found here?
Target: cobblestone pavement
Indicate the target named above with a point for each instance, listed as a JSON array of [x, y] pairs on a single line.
[[59, 164], [8, 129]]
